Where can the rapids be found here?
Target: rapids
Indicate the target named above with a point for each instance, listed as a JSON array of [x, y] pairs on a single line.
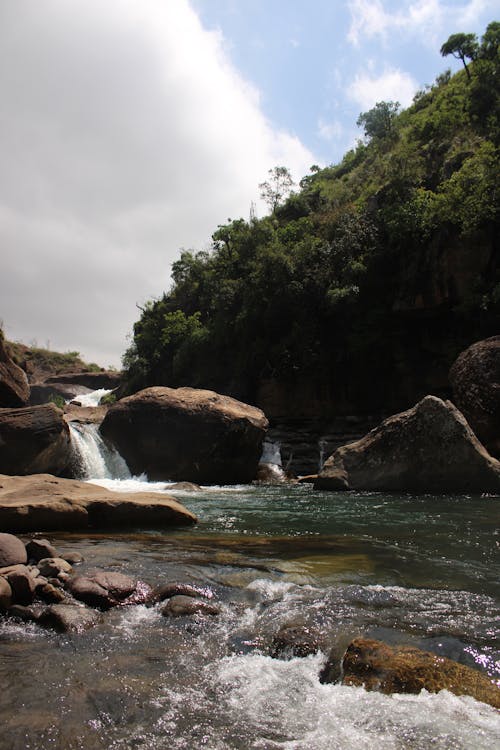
[[410, 569]]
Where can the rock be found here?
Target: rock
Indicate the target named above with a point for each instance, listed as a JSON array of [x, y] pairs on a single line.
[[22, 583], [270, 474], [34, 439], [26, 614], [429, 448], [72, 557], [12, 551], [52, 567], [84, 414], [39, 549], [186, 486], [405, 669], [108, 379], [475, 379], [294, 640], [168, 590], [180, 606], [48, 592], [187, 434], [14, 386], [43, 502], [5, 594], [44, 393], [102, 589], [69, 618]]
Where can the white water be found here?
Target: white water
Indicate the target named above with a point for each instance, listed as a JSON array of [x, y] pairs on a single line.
[[93, 398], [96, 459], [271, 453]]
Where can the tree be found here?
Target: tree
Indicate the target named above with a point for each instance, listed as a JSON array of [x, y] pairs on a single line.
[[461, 46], [277, 187], [378, 122]]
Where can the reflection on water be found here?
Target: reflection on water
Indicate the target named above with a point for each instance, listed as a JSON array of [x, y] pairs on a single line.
[[420, 570]]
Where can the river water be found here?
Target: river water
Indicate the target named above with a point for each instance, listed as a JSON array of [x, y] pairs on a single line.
[[421, 570]]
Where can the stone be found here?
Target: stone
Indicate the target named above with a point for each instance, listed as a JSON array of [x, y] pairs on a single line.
[[295, 640], [429, 448], [404, 669], [34, 439], [39, 549], [48, 592], [22, 583], [108, 379], [26, 613], [44, 502], [187, 434], [69, 618], [12, 551], [52, 567], [185, 486], [270, 474], [181, 606], [168, 590], [5, 594], [475, 380], [102, 589], [14, 386], [72, 557]]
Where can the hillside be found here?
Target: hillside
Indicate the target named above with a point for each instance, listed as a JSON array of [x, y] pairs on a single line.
[[359, 289]]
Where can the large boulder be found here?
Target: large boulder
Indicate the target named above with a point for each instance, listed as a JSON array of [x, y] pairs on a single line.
[[12, 551], [187, 434], [92, 380], [14, 386], [34, 439], [475, 379], [43, 502], [429, 448], [404, 669]]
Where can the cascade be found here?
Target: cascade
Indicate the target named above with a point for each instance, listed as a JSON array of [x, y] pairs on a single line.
[[94, 457], [322, 445], [93, 398], [271, 453]]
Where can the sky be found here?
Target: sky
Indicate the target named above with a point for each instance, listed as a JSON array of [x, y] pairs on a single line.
[[130, 129]]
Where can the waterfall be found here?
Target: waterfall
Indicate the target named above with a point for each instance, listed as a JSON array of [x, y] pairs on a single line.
[[322, 445], [95, 458], [271, 453], [93, 398]]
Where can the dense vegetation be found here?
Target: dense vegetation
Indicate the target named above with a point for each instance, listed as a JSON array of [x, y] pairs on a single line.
[[364, 284]]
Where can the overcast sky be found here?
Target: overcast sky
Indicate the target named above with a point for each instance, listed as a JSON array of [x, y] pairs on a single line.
[[131, 128]]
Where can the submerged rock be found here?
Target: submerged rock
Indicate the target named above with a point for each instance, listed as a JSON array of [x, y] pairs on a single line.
[[429, 448], [187, 434], [168, 590], [42, 502], [475, 379], [180, 606], [295, 640], [102, 589], [34, 439], [404, 669], [68, 618]]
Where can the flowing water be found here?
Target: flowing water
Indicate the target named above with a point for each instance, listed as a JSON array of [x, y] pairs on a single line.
[[410, 569]]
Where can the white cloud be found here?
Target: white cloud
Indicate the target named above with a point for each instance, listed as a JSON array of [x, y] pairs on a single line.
[[392, 85], [428, 19], [125, 135], [330, 131]]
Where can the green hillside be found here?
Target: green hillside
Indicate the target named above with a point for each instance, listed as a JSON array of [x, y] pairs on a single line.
[[359, 289]]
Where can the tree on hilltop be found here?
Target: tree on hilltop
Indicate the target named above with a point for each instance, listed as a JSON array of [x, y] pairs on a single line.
[[461, 46], [277, 187]]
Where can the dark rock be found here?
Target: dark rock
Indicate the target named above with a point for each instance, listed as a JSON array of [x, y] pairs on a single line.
[[429, 448], [102, 589], [187, 434], [43, 393], [34, 440], [181, 606], [39, 549], [168, 590], [26, 614], [12, 551], [270, 474], [23, 585], [475, 379], [404, 669], [49, 593], [14, 386], [295, 640], [69, 618], [92, 380], [5, 593]]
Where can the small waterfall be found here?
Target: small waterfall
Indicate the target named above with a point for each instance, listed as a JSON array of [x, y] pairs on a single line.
[[270, 469], [322, 445], [271, 453], [93, 398], [95, 458]]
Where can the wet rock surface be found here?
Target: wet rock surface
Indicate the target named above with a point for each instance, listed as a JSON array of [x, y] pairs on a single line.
[[182, 606]]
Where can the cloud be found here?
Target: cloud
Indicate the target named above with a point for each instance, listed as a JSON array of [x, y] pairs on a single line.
[[330, 131], [392, 85], [125, 134], [425, 18]]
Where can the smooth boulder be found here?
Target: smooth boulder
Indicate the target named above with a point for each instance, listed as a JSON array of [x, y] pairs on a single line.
[[404, 669], [475, 380], [44, 502], [187, 434], [12, 551], [429, 448], [34, 439], [14, 386]]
